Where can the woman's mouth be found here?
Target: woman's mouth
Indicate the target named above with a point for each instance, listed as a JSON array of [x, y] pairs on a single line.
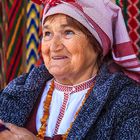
[[59, 57]]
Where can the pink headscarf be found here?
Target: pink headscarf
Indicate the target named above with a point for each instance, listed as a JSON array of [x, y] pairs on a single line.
[[104, 20]]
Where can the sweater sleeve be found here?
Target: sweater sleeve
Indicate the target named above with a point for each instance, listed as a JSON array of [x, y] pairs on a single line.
[[10, 99], [130, 127], [128, 124]]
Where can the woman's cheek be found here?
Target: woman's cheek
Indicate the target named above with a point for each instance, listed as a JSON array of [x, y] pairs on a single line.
[[45, 49]]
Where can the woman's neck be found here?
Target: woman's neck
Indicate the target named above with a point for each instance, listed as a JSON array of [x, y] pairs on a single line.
[[76, 79]]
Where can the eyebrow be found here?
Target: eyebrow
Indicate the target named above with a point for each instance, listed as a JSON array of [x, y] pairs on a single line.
[[62, 26]]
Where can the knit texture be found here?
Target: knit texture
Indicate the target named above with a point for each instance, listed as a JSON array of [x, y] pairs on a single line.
[[111, 112], [18, 98]]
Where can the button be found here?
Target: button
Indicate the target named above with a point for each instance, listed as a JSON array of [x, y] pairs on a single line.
[[73, 89]]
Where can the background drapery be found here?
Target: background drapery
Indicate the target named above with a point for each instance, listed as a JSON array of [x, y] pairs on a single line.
[[32, 35], [20, 33], [131, 12], [19, 38]]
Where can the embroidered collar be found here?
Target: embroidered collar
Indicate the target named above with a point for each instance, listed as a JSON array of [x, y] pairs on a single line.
[[75, 88]]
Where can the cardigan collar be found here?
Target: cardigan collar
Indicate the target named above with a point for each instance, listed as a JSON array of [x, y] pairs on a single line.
[[93, 105]]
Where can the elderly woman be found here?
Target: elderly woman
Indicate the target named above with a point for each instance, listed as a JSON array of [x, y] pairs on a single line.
[[80, 93]]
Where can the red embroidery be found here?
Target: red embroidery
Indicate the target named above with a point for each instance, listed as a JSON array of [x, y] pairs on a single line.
[[76, 88], [51, 2], [62, 111], [67, 91], [55, 2]]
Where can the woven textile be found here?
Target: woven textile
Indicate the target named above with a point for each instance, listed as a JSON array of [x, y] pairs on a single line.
[[1, 45], [15, 12], [32, 37], [17, 52], [0, 24], [132, 18], [2, 50]]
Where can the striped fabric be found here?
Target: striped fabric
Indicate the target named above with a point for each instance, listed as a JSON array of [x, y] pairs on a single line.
[[2, 49], [32, 37], [18, 53], [0, 24], [15, 12], [1, 56]]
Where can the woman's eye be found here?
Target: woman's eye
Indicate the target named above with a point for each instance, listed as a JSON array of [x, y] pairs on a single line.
[[47, 35], [68, 33]]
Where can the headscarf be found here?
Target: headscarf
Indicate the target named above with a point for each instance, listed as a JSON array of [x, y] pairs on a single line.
[[105, 21]]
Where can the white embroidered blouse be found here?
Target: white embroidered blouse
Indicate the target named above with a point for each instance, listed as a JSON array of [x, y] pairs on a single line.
[[66, 101]]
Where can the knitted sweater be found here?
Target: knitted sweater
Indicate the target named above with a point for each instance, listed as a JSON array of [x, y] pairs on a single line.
[[111, 112]]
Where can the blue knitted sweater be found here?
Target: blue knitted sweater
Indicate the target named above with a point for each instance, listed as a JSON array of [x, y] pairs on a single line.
[[111, 112]]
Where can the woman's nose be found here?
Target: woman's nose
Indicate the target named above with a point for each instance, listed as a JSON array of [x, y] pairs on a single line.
[[56, 43]]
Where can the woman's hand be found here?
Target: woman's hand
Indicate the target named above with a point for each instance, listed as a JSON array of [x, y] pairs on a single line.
[[16, 133]]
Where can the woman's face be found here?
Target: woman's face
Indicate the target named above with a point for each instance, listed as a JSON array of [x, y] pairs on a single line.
[[67, 52]]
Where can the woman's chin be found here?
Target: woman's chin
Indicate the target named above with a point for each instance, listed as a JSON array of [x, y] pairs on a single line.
[[58, 73]]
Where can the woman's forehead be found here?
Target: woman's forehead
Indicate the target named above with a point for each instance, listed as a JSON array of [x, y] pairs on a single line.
[[66, 20], [55, 17]]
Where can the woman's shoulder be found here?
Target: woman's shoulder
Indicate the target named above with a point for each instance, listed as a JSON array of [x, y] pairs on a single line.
[[116, 79], [124, 102], [120, 89], [25, 86], [30, 79], [19, 96]]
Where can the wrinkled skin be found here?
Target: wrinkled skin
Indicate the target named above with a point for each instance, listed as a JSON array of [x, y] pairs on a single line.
[[67, 52], [16, 133]]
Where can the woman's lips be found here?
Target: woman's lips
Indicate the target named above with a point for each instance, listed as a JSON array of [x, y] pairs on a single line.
[[59, 57]]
